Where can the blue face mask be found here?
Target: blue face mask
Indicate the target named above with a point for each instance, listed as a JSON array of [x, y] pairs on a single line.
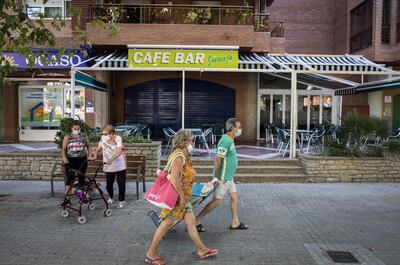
[[238, 133]]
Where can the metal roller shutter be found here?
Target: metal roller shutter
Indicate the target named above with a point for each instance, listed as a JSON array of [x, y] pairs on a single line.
[[158, 103]]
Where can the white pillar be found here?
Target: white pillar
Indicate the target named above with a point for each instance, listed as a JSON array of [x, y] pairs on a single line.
[[308, 112], [258, 106], [293, 115], [183, 99], [335, 110], [283, 108], [271, 109], [321, 105], [73, 94]]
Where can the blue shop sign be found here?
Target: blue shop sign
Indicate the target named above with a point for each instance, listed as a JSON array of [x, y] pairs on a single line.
[[54, 61]]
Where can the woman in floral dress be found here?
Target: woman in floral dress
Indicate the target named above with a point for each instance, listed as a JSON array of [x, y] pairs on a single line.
[[182, 178]]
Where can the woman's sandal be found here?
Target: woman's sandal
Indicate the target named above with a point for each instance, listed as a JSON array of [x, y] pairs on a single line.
[[200, 228], [241, 226], [210, 253], [155, 261]]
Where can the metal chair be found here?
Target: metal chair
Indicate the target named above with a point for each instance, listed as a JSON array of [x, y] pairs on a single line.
[[208, 135], [284, 139], [396, 134], [168, 136], [218, 131], [315, 139]]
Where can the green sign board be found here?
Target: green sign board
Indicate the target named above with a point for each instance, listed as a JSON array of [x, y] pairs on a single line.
[[183, 58]]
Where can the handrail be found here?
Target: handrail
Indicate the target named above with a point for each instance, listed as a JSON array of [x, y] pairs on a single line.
[[185, 14], [175, 5]]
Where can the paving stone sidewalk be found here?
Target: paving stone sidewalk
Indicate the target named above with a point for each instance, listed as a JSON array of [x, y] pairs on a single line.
[[289, 224]]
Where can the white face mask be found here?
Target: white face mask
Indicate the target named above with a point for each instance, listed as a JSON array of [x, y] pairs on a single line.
[[107, 137], [190, 148], [76, 132], [238, 133]]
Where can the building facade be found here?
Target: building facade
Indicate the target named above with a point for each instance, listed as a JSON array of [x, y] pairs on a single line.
[[370, 28]]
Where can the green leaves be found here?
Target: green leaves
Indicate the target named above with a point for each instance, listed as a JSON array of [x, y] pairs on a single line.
[[355, 132], [19, 33]]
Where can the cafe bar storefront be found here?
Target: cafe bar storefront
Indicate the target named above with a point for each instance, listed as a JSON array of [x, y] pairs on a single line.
[[179, 86]]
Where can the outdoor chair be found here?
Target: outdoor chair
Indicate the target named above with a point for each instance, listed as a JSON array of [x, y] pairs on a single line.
[[269, 136], [284, 139], [218, 131], [396, 134], [168, 136], [208, 135], [315, 140]]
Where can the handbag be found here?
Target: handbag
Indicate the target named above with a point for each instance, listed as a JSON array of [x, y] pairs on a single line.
[[162, 194]]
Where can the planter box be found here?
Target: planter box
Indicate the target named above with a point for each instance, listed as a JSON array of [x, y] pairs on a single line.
[[349, 169], [38, 165]]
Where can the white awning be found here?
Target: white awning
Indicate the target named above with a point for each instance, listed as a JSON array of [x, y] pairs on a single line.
[[253, 62]]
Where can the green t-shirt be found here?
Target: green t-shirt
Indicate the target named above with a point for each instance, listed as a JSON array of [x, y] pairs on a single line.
[[227, 151]]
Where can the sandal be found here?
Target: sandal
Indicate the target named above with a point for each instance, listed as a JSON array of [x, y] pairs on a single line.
[[210, 253], [155, 261], [200, 228], [241, 226]]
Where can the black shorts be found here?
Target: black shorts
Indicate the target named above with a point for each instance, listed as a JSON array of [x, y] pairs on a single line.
[[79, 163]]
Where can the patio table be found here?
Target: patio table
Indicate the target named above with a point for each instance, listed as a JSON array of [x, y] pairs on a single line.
[[198, 131], [301, 133]]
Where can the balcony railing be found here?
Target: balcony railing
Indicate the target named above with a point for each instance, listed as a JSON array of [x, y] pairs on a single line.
[[184, 14]]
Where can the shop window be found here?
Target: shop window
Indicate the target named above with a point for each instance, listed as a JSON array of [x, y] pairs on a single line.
[[56, 8], [53, 11], [263, 6], [41, 108], [361, 26], [386, 21]]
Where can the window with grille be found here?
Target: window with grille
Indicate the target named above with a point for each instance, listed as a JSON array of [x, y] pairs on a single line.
[[361, 26], [386, 21]]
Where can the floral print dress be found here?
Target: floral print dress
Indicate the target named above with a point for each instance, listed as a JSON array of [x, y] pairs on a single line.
[[187, 179]]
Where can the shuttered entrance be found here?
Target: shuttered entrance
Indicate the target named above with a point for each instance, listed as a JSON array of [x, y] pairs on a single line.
[[158, 103]]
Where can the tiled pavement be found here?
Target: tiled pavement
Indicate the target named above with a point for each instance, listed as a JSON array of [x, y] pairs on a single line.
[[289, 224]]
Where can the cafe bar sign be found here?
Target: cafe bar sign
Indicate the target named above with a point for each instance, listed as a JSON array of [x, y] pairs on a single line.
[[172, 58]]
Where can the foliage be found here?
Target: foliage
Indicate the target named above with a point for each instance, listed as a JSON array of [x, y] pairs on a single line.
[[355, 132], [393, 147], [19, 34]]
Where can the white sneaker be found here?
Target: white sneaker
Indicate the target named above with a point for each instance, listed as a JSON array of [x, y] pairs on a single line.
[[110, 201], [121, 204]]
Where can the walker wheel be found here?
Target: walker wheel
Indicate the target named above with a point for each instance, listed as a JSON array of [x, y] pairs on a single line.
[[65, 213], [107, 212], [91, 207], [82, 219]]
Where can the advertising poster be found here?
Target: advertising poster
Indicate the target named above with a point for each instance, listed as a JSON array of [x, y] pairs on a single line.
[[41, 107]]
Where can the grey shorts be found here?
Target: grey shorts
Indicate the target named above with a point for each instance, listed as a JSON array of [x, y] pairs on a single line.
[[224, 188]]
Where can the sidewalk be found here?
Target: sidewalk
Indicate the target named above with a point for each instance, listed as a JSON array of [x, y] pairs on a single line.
[[289, 224]]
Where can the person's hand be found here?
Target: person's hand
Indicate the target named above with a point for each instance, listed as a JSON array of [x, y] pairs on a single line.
[[109, 162], [65, 160]]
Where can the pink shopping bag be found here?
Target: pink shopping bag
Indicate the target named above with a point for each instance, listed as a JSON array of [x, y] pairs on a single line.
[[162, 193]]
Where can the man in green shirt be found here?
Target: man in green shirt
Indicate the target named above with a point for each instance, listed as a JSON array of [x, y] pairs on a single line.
[[226, 164]]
